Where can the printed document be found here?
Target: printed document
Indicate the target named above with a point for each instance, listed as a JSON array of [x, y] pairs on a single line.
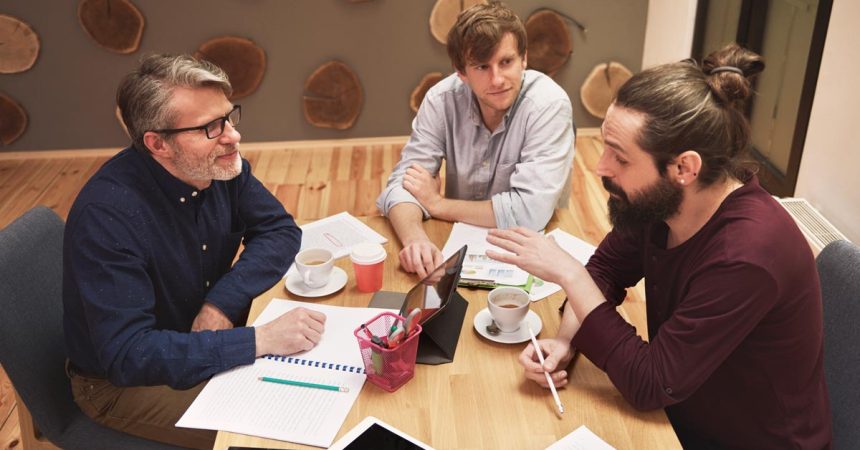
[[338, 233]]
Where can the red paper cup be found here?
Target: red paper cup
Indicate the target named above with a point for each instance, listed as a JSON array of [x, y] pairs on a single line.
[[368, 260]]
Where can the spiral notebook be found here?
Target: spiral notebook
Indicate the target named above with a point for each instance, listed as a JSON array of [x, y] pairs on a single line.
[[239, 402]]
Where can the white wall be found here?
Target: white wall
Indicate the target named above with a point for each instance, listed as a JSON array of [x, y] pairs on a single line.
[[668, 31], [830, 167]]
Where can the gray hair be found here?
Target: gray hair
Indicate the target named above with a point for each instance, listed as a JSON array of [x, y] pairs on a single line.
[[144, 95]]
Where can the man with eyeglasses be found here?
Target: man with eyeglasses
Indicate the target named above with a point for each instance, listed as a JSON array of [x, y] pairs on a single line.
[[153, 301]]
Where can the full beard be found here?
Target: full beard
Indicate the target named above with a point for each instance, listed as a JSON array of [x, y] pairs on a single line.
[[656, 203]]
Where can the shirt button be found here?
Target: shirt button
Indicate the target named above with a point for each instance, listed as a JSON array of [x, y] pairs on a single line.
[[669, 391], [182, 199], [203, 247], [207, 284], [485, 163], [194, 194]]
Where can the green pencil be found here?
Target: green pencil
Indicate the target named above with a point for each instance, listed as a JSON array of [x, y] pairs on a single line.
[[304, 384]]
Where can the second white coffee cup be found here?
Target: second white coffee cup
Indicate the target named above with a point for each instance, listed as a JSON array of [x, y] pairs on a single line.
[[508, 307], [315, 265]]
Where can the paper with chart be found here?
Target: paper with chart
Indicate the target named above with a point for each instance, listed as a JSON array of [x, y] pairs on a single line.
[[477, 266], [581, 439], [574, 246], [476, 238], [237, 401]]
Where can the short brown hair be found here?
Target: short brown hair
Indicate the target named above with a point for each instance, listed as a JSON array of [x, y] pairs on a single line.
[[144, 95], [700, 108], [479, 30]]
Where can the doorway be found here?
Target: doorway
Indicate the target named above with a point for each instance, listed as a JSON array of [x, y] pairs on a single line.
[[789, 35]]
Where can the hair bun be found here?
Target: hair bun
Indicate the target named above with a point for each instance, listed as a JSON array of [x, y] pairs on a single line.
[[730, 71]]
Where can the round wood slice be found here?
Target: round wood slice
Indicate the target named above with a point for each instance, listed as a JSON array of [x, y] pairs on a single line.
[[549, 41], [13, 120], [420, 91], [19, 45], [599, 88], [116, 25], [242, 60], [333, 96], [444, 16]]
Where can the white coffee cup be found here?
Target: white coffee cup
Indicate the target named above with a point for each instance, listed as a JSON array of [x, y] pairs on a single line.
[[508, 307], [315, 265]]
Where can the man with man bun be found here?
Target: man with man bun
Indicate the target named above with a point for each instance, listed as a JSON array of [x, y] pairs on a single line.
[[734, 351]]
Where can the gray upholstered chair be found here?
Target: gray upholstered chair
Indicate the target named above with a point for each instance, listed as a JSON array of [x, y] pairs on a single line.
[[31, 340], [839, 269]]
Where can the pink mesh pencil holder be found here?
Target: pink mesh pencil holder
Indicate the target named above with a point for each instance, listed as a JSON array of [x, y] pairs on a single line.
[[388, 368]]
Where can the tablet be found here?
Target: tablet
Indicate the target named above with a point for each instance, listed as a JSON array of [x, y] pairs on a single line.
[[433, 292], [378, 435]]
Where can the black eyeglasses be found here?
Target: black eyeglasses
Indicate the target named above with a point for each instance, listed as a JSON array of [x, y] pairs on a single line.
[[214, 128]]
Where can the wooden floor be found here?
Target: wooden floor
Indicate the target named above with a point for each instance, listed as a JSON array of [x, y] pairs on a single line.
[[312, 179]]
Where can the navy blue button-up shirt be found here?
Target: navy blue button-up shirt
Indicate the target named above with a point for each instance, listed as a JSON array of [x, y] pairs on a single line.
[[143, 251]]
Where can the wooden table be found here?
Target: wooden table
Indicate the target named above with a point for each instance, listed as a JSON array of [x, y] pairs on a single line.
[[482, 400]]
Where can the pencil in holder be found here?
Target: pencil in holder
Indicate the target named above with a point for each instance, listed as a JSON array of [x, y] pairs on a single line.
[[388, 368]]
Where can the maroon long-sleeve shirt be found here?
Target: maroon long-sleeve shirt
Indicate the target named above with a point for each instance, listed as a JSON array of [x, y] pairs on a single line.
[[734, 324]]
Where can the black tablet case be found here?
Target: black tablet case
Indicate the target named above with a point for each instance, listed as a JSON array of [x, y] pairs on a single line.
[[439, 335]]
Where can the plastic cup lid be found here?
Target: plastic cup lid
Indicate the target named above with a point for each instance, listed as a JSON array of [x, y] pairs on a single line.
[[367, 253]]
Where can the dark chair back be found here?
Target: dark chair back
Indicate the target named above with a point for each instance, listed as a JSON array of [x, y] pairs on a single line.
[[31, 334], [839, 270]]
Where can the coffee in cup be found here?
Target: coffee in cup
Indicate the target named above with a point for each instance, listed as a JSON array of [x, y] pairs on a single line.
[[508, 307], [315, 266]]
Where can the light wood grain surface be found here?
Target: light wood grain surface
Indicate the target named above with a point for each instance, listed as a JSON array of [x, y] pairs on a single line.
[[481, 400], [313, 179]]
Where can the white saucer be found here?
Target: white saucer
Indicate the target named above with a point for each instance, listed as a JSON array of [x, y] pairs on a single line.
[[297, 286], [482, 319]]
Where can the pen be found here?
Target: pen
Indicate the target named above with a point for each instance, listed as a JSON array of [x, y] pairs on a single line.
[[304, 384], [548, 378]]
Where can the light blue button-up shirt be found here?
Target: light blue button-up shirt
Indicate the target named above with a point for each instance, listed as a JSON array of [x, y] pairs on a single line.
[[523, 166]]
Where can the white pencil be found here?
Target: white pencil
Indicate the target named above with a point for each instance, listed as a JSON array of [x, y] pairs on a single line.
[[548, 378]]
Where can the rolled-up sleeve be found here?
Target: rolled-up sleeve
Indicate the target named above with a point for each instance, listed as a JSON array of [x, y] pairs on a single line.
[[426, 147], [542, 172]]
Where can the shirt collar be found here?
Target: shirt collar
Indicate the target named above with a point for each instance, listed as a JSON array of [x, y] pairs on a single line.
[[475, 108], [175, 189]]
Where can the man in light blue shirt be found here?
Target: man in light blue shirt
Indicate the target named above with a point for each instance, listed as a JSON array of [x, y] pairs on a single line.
[[505, 133]]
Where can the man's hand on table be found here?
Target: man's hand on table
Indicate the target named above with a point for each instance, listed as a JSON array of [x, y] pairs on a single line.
[[420, 256], [298, 330], [211, 318]]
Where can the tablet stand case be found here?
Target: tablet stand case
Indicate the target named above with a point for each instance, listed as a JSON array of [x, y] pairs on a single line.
[[439, 335]]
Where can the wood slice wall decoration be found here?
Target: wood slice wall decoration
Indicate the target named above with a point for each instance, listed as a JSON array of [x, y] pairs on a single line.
[[600, 87], [420, 91], [13, 120], [549, 41], [116, 25], [444, 16], [242, 60], [19, 45], [333, 96]]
